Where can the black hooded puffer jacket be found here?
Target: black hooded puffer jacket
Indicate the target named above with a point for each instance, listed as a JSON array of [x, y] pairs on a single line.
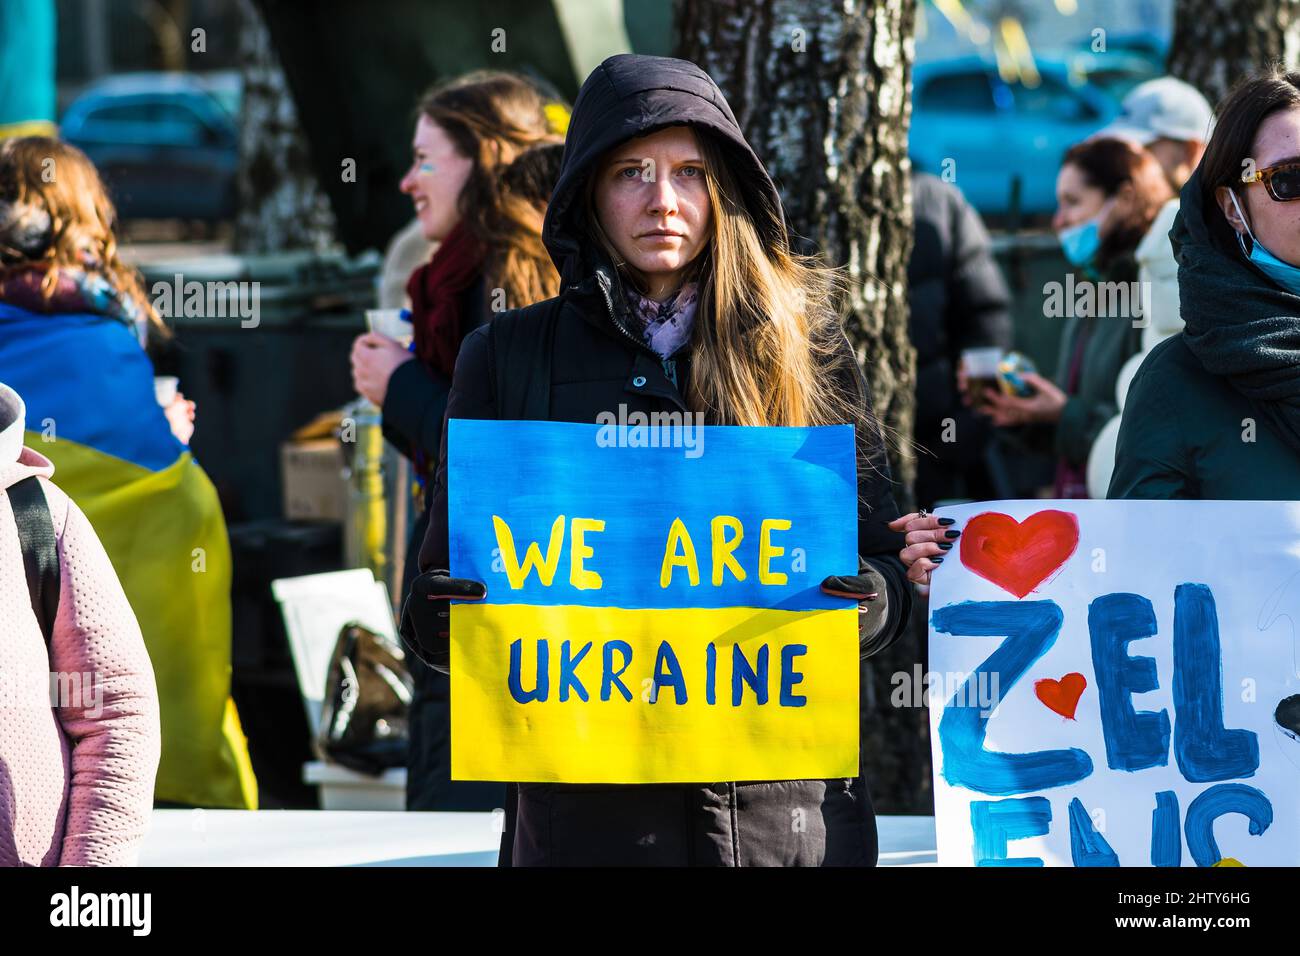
[[596, 366]]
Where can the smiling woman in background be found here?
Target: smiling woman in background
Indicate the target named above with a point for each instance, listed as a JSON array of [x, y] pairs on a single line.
[[1214, 412], [479, 181]]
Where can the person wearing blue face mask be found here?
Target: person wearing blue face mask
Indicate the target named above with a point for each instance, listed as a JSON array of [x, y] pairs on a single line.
[[1108, 191], [1214, 412]]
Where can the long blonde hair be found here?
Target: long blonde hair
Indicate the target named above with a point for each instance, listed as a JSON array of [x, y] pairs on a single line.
[[769, 339], [59, 180]]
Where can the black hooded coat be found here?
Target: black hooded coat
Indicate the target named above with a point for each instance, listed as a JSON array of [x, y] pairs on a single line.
[[596, 365]]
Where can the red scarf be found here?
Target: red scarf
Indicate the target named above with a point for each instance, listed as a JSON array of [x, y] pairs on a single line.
[[436, 290]]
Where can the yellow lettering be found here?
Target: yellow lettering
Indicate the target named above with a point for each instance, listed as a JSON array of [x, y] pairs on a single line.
[[679, 536], [723, 548], [767, 550], [580, 577], [532, 557]]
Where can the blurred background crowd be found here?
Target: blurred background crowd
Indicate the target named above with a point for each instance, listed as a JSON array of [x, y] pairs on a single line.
[[265, 217]]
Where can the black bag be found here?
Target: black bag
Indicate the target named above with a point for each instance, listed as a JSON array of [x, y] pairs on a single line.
[[40, 550], [364, 722]]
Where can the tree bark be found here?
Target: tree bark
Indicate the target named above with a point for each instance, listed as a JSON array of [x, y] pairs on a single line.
[[821, 89], [280, 203], [1217, 42]]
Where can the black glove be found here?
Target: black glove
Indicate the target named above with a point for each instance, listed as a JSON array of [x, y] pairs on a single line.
[[426, 616], [869, 589]]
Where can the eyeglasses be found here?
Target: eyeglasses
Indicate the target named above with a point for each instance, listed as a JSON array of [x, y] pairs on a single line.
[[1282, 181]]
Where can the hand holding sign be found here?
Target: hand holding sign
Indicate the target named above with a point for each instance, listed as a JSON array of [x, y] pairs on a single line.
[[426, 614], [927, 538]]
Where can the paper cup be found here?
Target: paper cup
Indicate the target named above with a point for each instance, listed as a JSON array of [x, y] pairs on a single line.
[[164, 389], [390, 322], [981, 363]]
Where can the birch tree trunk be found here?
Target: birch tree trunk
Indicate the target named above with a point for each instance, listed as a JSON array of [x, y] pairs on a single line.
[[1217, 42], [821, 89], [280, 204]]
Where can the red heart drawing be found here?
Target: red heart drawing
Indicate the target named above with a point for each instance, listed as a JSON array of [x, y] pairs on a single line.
[[1018, 556], [1061, 695]]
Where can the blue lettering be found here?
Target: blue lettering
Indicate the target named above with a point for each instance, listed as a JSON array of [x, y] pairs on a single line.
[[995, 822], [543, 685], [1204, 750], [1031, 627], [1134, 741]]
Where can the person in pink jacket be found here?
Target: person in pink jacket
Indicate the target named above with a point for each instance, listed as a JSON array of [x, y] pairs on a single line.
[[79, 731]]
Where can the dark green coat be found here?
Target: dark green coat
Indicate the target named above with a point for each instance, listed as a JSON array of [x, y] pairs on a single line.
[[1112, 341], [1186, 434], [1208, 410]]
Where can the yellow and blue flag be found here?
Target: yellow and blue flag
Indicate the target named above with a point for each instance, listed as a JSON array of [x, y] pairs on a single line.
[[91, 410], [653, 610]]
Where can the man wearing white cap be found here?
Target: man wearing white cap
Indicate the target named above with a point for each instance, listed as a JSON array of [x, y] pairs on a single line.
[[1172, 120]]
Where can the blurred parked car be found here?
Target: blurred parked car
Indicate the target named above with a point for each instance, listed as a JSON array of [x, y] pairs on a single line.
[[1001, 137], [167, 144], [1113, 73]]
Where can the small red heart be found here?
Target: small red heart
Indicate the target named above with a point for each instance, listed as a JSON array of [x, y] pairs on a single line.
[[1018, 556], [1061, 695]]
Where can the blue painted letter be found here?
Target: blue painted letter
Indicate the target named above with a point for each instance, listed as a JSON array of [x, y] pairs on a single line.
[[1214, 803], [994, 822], [568, 666], [543, 685], [1166, 838], [1204, 749], [1134, 741], [1087, 846], [1031, 628], [668, 672]]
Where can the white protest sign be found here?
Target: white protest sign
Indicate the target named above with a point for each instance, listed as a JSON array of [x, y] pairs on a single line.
[[1116, 683]]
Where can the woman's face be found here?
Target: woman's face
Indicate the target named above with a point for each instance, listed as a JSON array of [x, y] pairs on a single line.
[[653, 202], [434, 182], [1275, 224], [1077, 200]]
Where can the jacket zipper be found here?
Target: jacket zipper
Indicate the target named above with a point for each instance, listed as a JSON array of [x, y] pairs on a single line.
[[609, 304], [637, 343], [613, 318]]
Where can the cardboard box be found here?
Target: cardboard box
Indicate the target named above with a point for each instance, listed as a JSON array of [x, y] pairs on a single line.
[[315, 488]]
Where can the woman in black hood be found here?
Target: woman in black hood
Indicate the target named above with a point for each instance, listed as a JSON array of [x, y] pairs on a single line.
[[679, 293], [1214, 412]]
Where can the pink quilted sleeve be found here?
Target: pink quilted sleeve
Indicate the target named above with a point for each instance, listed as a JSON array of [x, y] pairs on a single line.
[[110, 716]]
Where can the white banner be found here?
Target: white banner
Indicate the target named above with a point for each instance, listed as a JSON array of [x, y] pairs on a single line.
[[1116, 683]]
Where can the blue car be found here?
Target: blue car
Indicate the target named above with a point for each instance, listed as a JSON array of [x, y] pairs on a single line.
[[167, 144], [996, 138]]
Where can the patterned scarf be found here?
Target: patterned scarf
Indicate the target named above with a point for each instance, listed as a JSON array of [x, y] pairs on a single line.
[[75, 291], [664, 326]]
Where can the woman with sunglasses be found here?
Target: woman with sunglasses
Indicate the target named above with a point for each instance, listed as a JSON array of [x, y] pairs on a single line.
[[1214, 412]]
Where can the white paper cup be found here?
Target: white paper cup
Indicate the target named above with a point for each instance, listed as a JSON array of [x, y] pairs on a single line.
[[389, 322], [164, 389], [981, 363]]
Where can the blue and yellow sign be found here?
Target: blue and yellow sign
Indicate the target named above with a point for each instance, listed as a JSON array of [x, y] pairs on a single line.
[[653, 614]]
